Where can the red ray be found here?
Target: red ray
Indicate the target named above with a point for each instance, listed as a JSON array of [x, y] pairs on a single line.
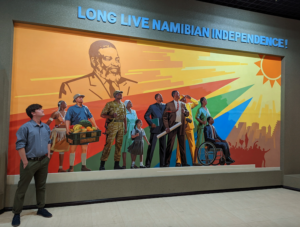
[[140, 102]]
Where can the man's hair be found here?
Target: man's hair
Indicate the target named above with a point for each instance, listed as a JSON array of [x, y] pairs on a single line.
[[156, 96], [32, 108], [173, 93], [208, 119], [95, 46], [201, 100]]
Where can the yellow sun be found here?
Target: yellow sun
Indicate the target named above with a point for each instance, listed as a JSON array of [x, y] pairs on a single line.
[[270, 69]]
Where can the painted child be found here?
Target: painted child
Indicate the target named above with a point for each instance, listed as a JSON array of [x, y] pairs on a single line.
[[137, 147]]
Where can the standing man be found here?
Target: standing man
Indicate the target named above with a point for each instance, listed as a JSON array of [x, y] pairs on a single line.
[[74, 115], [175, 112], [33, 144], [156, 110], [189, 130], [115, 114]]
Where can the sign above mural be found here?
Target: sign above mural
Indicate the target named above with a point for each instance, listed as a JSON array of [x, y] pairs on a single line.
[[179, 28]]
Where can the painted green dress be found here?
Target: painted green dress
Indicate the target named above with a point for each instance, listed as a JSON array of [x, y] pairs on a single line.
[[131, 118], [202, 114]]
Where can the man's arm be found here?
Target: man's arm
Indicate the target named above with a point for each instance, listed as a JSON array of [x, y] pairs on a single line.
[[104, 113], [207, 136], [49, 150], [165, 119], [21, 144], [94, 122], [218, 137], [49, 142], [23, 157], [147, 117], [194, 102], [68, 123], [125, 124]]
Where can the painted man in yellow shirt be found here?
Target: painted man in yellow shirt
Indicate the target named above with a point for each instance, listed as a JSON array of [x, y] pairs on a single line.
[[189, 130]]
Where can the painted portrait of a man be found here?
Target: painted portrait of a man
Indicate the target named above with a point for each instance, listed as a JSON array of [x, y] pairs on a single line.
[[105, 78]]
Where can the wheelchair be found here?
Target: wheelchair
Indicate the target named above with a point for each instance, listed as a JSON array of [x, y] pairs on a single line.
[[208, 154]]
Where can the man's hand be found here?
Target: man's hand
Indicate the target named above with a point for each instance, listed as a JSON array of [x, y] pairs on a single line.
[[153, 125], [189, 97], [68, 131], [125, 131], [25, 164], [217, 141], [115, 115], [49, 156], [168, 130]]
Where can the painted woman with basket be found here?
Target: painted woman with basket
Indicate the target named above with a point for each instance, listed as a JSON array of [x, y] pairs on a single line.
[[201, 116], [137, 147]]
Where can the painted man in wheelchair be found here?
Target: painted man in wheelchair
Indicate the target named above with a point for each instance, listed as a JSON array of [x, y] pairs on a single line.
[[211, 135]]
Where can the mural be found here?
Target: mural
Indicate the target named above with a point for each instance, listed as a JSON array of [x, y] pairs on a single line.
[[243, 90]]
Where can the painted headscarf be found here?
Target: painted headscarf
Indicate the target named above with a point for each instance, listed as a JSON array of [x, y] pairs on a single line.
[[126, 102]]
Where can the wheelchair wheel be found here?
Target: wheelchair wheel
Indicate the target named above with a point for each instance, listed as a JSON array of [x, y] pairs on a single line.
[[207, 153]]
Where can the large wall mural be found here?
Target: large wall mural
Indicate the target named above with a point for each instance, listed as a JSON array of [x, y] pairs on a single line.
[[243, 90]]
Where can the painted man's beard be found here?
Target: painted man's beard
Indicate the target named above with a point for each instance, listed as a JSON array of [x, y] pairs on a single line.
[[114, 77], [106, 73]]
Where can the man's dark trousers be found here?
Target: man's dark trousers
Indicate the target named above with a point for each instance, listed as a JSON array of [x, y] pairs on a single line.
[[224, 147], [151, 148], [38, 170], [181, 141]]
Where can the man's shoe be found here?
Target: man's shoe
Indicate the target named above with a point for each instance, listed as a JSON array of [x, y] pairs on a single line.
[[167, 165], [123, 167], [102, 168], [84, 168], [16, 220], [147, 166], [230, 159], [134, 167], [71, 169], [185, 165], [178, 165], [118, 167], [143, 167], [43, 212], [62, 171], [197, 164]]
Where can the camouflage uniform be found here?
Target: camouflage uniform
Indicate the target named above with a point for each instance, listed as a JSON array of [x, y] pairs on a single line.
[[115, 129]]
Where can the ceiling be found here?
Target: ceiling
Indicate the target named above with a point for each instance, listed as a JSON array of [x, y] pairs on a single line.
[[282, 8]]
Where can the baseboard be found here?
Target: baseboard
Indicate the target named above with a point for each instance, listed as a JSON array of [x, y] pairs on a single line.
[[142, 197], [2, 211], [291, 188]]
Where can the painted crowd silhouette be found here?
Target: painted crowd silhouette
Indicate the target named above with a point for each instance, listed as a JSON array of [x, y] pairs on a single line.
[[254, 145]]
